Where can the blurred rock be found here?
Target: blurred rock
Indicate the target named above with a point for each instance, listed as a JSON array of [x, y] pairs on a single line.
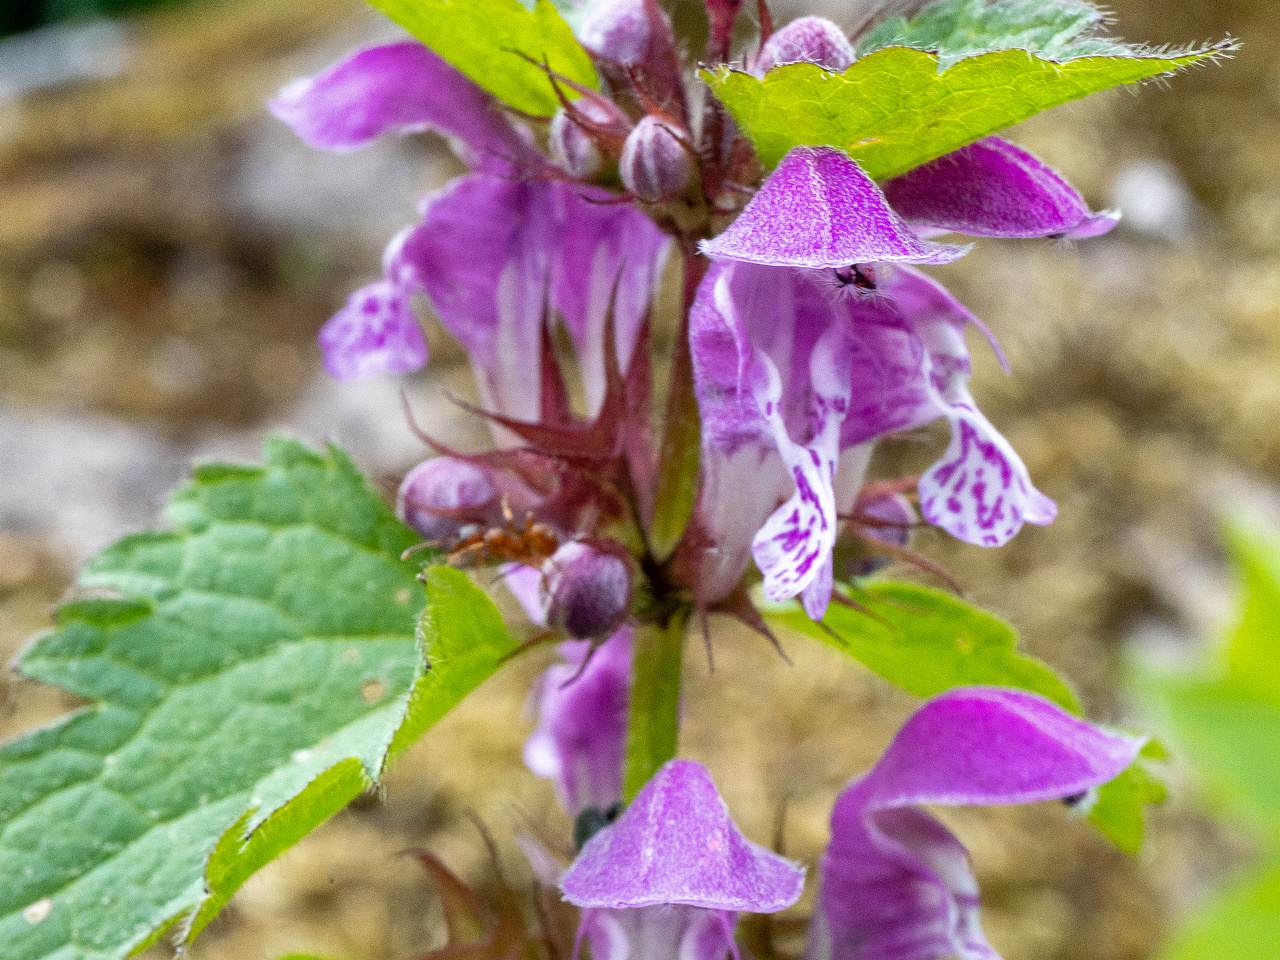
[[59, 55], [1154, 199]]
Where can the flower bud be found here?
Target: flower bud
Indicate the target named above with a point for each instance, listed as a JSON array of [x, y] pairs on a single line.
[[440, 495], [617, 30], [654, 164], [887, 518], [806, 40], [586, 590], [572, 148]]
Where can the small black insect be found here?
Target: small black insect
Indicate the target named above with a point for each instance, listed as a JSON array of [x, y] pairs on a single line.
[[856, 276]]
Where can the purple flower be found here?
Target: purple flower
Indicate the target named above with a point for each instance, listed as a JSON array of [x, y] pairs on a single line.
[[896, 884], [994, 188], [796, 379], [580, 741], [818, 209], [812, 338], [668, 878], [376, 332], [493, 249]]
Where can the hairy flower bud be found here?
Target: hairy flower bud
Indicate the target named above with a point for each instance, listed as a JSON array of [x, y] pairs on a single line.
[[440, 495], [586, 590], [620, 30], [806, 40], [654, 164], [572, 148], [886, 518]]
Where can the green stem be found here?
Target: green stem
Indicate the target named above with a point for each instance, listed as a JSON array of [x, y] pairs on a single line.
[[681, 452], [653, 726]]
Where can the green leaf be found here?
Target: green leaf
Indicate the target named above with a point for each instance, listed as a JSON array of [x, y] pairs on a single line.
[[1253, 652], [927, 641], [1230, 737], [485, 39], [955, 29], [249, 673], [1118, 810], [896, 108], [1244, 924]]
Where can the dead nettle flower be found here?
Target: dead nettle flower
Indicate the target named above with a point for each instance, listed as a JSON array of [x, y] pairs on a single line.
[[667, 880], [586, 589], [895, 883], [795, 384], [812, 334]]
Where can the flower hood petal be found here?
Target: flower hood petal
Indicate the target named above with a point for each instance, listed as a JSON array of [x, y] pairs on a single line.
[[399, 88], [819, 209], [675, 844], [896, 885], [994, 188]]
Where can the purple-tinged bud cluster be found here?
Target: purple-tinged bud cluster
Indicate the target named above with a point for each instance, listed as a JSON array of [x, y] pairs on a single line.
[[586, 589]]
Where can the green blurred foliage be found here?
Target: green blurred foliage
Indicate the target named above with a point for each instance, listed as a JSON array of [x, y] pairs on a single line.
[[1223, 719]]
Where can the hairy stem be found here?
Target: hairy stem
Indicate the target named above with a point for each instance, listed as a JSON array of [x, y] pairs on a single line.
[[680, 454], [653, 726]]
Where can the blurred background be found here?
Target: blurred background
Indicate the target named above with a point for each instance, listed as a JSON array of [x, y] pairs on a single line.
[[168, 251]]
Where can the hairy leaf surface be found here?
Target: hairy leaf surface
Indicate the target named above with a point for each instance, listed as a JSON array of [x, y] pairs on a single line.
[[249, 674], [488, 40], [955, 29], [900, 107]]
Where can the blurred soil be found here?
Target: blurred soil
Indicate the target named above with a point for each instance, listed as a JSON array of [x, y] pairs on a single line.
[[167, 252]]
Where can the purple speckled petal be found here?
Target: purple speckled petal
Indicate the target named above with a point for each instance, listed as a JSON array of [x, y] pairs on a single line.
[[580, 742], [675, 844], [994, 188], [793, 548], [896, 885], [819, 209], [745, 322], [980, 491], [398, 88], [376, 332]]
